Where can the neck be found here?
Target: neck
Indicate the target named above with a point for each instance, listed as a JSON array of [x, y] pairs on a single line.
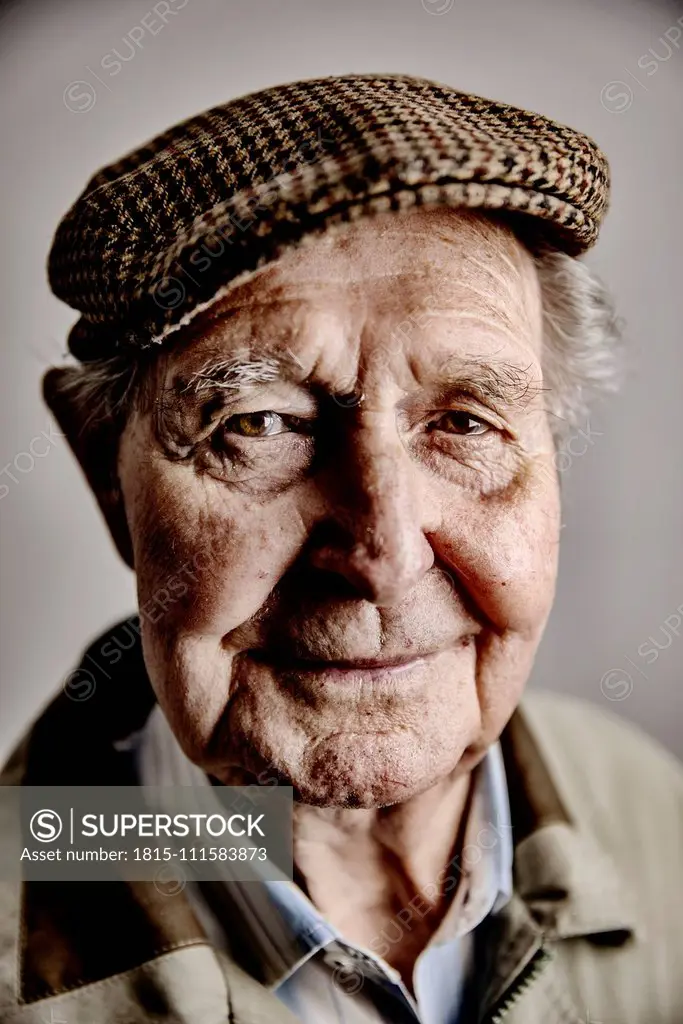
[[368, 869]]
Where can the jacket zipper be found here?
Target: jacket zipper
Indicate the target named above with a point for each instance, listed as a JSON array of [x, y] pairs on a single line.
[[521, 983]]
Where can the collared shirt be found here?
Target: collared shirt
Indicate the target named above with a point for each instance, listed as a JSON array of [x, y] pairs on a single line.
[[318, 974]]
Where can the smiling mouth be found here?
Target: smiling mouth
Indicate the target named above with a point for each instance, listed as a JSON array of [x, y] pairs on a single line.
[[346, 671]]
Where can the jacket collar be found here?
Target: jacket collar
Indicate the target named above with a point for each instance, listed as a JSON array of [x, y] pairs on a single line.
[[568, 881], [565, 884]]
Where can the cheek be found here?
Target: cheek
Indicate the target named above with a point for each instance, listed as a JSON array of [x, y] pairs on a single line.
[[505, 551], [507, 557], [206, 558]]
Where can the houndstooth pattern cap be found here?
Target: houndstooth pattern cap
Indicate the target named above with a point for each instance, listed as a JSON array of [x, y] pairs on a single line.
[[157, 236]]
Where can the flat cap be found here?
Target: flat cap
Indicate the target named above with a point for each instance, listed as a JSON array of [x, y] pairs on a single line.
[[156, 237]]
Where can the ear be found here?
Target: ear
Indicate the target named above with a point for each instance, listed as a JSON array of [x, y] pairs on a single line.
[[96, 448]]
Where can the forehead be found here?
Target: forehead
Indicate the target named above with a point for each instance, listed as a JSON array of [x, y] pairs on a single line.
[[420, 243], [468, 270]]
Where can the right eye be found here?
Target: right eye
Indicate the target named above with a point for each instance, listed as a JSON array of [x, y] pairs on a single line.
[[255, 424]]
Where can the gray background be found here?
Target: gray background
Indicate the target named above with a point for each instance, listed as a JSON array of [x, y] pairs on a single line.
[[621, 574]]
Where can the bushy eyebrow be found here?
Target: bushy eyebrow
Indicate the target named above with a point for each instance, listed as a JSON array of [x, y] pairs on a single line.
[[233, 374], [500, 382], [497, 383]]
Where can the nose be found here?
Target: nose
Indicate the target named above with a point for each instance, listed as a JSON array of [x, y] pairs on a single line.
[[376, 532]]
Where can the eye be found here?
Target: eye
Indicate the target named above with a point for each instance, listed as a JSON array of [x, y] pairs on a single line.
[[458, 422], [257, 424]]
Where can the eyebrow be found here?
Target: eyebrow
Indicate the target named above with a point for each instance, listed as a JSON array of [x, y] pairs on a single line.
[[233, 374], [500, 382]]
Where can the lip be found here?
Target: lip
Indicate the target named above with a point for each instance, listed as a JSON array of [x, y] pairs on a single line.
[[366, 670]]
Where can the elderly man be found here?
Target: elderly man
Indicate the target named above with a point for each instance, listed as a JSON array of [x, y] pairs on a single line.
[[331, 337]]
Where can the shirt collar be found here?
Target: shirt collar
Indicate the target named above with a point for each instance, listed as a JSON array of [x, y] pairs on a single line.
[[497, 812]]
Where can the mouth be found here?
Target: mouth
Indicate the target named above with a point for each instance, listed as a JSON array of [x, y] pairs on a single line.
[[355, 672]]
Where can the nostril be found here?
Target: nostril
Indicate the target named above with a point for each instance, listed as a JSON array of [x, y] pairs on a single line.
[[330, 534]]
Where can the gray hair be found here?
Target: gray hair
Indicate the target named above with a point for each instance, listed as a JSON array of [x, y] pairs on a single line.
[[580, 354]]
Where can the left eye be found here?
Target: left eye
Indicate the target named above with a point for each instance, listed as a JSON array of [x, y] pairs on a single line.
[[457, 422], [256, 424]]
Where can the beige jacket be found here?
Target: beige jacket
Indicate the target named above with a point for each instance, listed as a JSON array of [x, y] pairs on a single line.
[[592, 935]]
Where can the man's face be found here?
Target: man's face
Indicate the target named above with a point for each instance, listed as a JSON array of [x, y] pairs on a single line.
[[359, 582]]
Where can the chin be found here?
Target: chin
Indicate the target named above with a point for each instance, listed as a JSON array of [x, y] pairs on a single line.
[[371, 770]]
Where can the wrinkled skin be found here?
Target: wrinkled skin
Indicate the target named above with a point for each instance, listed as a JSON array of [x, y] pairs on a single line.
[[371, 573], [392, 541]]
